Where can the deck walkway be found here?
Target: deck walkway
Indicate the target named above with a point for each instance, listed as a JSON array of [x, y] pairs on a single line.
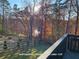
[[71, 55]]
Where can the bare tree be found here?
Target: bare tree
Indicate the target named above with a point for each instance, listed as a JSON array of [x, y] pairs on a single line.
[[4, 5]]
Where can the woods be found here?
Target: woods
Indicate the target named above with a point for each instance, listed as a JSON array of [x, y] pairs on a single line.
[[50, 12]]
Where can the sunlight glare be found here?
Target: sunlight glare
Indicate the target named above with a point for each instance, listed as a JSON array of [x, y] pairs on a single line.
[[37, 8]]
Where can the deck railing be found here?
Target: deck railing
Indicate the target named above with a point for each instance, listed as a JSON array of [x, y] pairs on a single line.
[[58, 49], [73, 43]]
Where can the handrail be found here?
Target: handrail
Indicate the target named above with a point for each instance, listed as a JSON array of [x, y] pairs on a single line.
[[52, 48]]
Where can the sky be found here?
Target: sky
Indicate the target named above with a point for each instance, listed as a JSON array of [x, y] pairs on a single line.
[[18, 2], [21, 3]]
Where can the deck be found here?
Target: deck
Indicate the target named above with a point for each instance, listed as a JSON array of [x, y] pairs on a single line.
[[67, 47], [71, 55]]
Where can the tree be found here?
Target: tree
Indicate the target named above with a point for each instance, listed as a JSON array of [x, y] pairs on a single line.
[[55, 10], [15, 8], [4, 6], [76, 27]]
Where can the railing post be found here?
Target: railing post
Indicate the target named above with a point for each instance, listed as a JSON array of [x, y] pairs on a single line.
[[67, 42], [78, 44]]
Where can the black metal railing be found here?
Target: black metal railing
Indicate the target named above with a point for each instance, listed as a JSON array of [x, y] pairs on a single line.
[[58, 49], [73, 43]]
